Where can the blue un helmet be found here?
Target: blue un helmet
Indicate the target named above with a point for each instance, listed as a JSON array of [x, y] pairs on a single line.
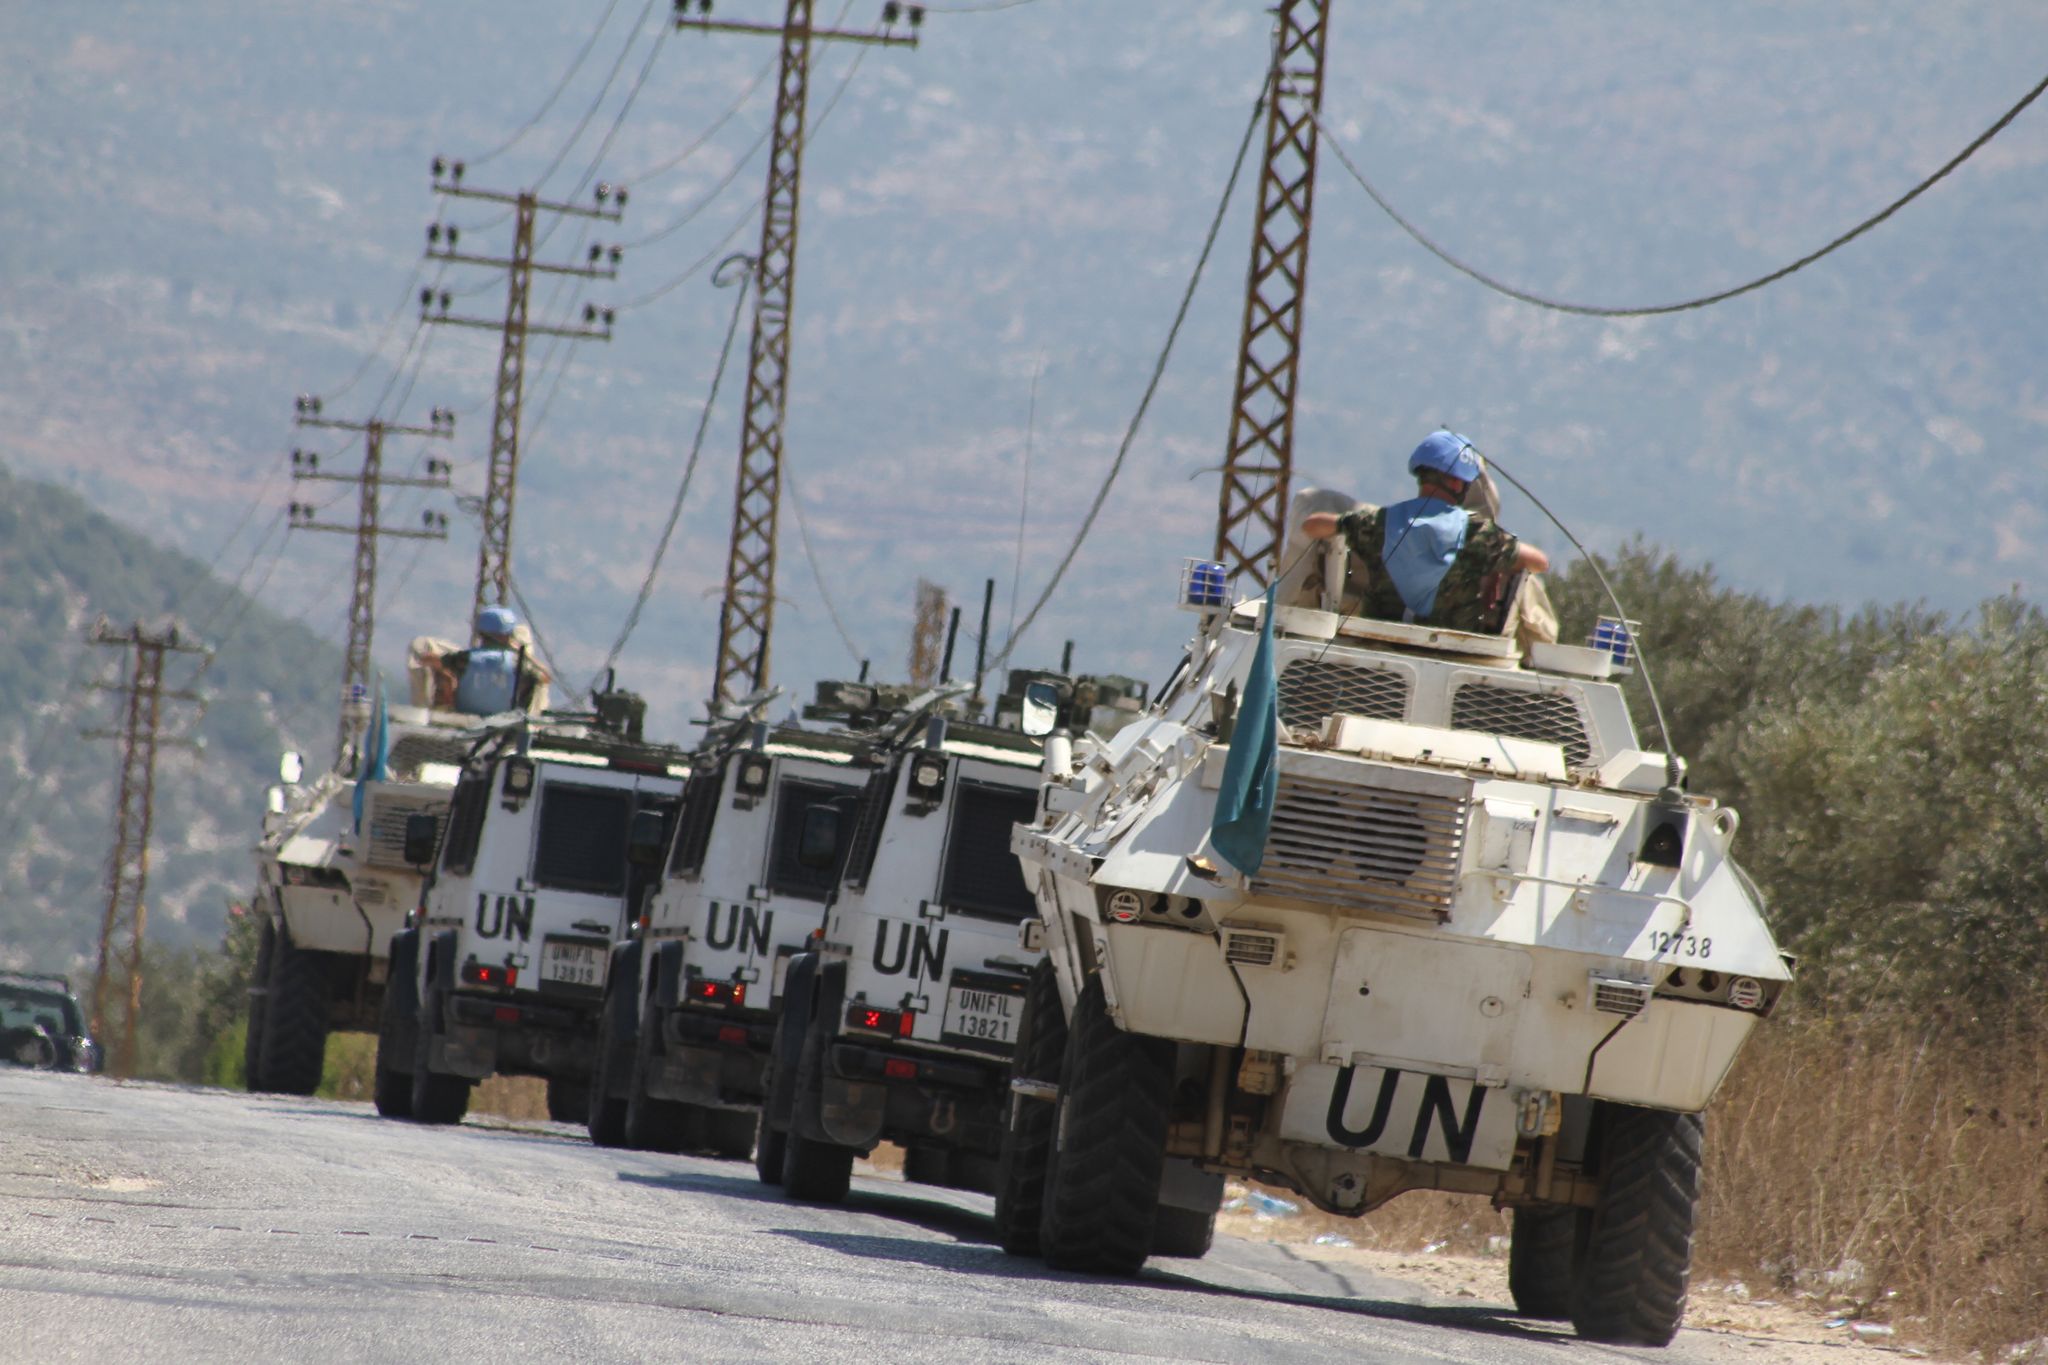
[[497, 621], [1447, 453]]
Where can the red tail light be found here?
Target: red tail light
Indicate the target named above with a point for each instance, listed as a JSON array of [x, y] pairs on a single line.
[[719, 992], [478, 974], [898, 1022], [898, 1069], [732, 1033], [506, 1014]]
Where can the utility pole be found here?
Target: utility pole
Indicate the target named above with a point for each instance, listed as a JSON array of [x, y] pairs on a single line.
[[494, 549], [747, 614], [128, 864], [356, 668], [926, 633], [1251, 514]]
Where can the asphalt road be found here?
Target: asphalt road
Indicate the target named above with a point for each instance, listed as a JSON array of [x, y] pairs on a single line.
[[143, 1222]]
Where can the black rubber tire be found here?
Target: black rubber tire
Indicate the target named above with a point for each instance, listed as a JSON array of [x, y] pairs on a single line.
[[568, 1099], [1187, 1233], [771, 1146], [1027, 1142], [928, 1166], [652, 1125], [1109, 1144], [390, 1087], [606, 1117], [295, 1018], [437, 1098], [729, 1133], [259, 1006], [1632, 1272], [813, 1172], [1541, 1248]]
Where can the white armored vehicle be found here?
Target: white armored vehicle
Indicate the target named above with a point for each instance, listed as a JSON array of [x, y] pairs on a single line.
[[553, 838], [690, 999], [332, 886], [1491, 947]]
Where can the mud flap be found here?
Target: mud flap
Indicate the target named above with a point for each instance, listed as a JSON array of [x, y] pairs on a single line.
[[689, 1074], [471, 1053], [1184, 1185], [851, 1112]]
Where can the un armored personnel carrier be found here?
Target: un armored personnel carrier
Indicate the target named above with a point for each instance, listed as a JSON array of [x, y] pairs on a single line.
[[690, 1002], [1491, 947], [332, 886], [553, 837]]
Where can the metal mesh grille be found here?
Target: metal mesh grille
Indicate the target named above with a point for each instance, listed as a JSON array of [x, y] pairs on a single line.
[[982, 876], [582, 841], [1313, 689], [1352, 845], [1546, 717], [386, 815], [409, 751]]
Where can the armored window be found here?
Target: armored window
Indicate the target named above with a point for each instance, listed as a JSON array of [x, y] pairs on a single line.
[[1546, 717], [787, 875], [983, 877], [700, 808], [465, 823], [1311, 690], [581, 845], [867, 826]]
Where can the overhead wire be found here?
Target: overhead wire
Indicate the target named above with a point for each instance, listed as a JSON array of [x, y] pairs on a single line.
[[632, 37], [1151, 387], [675, 510], [1705, 300], [1024, 497], [640, 178], [803, 529], [561, 85]]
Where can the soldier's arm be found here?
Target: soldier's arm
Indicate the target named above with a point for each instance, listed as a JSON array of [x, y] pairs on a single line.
[[1528, 557], [1319, 525]]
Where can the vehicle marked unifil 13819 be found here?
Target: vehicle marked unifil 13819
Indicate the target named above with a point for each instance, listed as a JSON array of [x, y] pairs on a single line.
[[915, 947], [1437, 1107], [743, 924], [504, 916]]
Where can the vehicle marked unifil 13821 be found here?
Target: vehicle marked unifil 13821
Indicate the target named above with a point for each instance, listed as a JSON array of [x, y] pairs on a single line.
[[742, 924], [915, 947], [504, 916]]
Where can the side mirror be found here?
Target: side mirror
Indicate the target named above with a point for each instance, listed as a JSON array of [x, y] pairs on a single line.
[[1041, 709], [290, 767], [643, 839], [817, 844], [422, 834]]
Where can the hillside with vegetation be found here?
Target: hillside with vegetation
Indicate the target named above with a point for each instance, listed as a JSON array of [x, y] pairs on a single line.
[[272, 685]]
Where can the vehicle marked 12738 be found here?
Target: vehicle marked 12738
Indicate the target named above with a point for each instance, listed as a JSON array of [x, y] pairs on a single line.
[[1409, 1114], [1661, 944]]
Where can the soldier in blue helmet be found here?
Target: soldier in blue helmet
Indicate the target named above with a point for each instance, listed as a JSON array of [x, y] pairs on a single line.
[[487, 677], [1429, 560]]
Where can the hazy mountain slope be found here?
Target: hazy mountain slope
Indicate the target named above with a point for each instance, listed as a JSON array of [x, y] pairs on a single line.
[[62, 565], [208, 208]]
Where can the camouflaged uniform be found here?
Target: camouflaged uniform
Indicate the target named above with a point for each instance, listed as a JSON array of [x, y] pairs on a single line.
[[1460, 600]]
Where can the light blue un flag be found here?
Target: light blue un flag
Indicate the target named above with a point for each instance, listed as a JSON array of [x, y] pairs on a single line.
[[376, 764], [1251, 775]]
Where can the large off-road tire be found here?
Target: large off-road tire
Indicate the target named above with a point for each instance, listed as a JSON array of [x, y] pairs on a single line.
[[391, 1077], [436, 1096], [1631, 1274], [814, 1172], [606, 1117], [568, 1099], [259, 1005], [1187, 1233], [295, 1018], [1027, 1141], [1109, 1144], [771, 1146], [1541, 1249], [653, 1125]]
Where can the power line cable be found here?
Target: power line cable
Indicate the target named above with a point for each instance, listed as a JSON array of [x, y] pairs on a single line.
[[1151, 387], [705, 200], [632, 37], [1024, 498], [540, 641], [625, 107], [1720, 296], [553, 95], [796, 503], [659, 169], [675, 510]]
